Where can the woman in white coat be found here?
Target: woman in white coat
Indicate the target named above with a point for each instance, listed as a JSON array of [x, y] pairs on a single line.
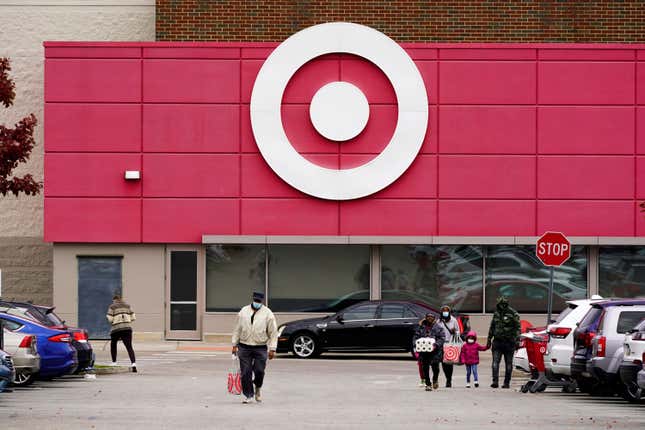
[[450, 326]]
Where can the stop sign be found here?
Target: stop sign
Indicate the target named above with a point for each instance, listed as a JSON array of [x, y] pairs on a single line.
[[553, 248]]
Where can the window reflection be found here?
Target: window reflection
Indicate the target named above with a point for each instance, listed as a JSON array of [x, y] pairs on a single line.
[[516, 273], [318, 278], [233, 272], [435, 275], [621, 271]]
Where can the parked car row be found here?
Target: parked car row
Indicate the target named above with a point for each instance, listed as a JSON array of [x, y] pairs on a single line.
[[600, 345], [39, 345]]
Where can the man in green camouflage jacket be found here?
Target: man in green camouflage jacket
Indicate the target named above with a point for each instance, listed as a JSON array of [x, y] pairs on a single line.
[[503, 335]]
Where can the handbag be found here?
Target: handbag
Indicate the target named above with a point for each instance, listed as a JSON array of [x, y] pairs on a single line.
[[452, 351], [234, 380]]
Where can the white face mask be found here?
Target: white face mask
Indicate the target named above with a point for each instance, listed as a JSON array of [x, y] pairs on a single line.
[[256, 305], [471, 341]]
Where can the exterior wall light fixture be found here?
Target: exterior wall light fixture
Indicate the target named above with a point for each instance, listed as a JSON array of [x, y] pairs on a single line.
[[132, 175]]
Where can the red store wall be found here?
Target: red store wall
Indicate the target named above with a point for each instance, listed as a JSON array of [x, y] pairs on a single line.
[[521, 139]]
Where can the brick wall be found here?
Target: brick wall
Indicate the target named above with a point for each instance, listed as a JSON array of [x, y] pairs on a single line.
[[408, 20]]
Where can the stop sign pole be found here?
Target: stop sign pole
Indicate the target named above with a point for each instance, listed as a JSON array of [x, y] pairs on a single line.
[[553, 249]]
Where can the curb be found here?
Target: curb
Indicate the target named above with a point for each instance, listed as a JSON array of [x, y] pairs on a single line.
[[110, 370]]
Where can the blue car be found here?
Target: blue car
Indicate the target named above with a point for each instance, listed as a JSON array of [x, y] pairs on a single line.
[[6, 370], [57, 356]]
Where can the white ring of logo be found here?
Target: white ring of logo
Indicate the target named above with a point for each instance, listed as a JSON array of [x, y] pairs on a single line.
[[266, 118]]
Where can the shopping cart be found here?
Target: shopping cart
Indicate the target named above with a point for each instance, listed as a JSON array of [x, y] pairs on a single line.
[[536, 348]]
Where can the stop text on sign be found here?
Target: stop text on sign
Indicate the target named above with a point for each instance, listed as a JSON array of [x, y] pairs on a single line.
[[556, 249], [553, 248]]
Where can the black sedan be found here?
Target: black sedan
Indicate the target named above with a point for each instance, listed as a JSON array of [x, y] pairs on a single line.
[[367, 326]]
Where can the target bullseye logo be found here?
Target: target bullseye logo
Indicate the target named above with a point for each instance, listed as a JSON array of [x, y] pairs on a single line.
[[339, 111]]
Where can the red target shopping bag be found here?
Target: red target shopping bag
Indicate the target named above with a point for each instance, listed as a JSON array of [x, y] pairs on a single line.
[[234, 381], [452, 351]]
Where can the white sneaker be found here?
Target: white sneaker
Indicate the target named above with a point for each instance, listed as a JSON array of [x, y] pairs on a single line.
[[113, 363], [422, 383], [468, 385], [245, 399], [258, 395]]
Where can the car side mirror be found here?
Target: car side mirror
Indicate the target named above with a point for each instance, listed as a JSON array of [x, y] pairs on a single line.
[[339, 318]]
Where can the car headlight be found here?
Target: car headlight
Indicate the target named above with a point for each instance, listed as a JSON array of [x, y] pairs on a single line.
[[281, 329], [321, 325]]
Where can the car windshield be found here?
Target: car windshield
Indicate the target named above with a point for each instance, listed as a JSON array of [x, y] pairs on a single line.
[[628, 320], [591, 318], [641, 326], [565, 312], [53, 318]]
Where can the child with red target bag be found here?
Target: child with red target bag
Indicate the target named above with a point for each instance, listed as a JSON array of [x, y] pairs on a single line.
[[470, 357]]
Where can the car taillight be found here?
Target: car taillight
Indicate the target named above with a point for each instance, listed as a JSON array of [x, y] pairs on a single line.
[[639, 335], [601, 346], [80, 336], [26, 342], [588, 338], [559, 332], [61, 338]]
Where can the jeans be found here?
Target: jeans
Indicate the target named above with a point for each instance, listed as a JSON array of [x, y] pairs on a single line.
[[126, 337], [471, 368], [427, 360], [253, 361], [507, 349]]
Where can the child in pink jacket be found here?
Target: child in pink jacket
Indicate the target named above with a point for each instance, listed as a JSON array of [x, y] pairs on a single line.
[[470, 357]]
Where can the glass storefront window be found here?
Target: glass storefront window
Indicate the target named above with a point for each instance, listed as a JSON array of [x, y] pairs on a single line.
[[435, 275], [233, 273], [516, 272], [621, 271], [317, 278]]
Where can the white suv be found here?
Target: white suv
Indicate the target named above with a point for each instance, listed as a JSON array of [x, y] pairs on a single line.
[[633, 364], [557, 359]]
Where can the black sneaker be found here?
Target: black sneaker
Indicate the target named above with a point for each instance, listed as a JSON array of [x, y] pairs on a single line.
[[448, 384], [428, 388], [506, 386], [494, 385], [476, 384], [134, 369]]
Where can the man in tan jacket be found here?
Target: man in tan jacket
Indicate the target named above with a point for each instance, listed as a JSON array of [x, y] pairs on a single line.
[[254, 330]]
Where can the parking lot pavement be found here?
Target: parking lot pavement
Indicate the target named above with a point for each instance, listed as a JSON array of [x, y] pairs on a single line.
[[187, 389]]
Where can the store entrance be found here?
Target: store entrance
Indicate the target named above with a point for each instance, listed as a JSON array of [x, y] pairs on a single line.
[[184, 284]]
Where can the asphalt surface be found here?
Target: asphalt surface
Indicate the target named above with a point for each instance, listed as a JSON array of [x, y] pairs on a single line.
[[187, 389]]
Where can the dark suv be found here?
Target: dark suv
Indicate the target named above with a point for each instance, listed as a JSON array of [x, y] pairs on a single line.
[[45, 315], [583, 343]]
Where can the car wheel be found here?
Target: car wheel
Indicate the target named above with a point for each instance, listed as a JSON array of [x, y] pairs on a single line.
[[632, 393], [304, 345], [24, 378]]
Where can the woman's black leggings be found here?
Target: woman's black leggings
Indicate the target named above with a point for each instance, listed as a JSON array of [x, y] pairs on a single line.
[[447, 371], [126, 337]]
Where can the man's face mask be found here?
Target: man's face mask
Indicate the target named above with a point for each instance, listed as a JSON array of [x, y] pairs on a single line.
[[471, 341], [445, 314], [256, 305]]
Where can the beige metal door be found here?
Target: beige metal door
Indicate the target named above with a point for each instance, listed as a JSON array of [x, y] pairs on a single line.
[[184, 292]]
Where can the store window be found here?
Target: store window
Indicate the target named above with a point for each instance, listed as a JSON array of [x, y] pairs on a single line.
[[621, 271], [435, 275], [317, 278], [233, 273], [516, 273]]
